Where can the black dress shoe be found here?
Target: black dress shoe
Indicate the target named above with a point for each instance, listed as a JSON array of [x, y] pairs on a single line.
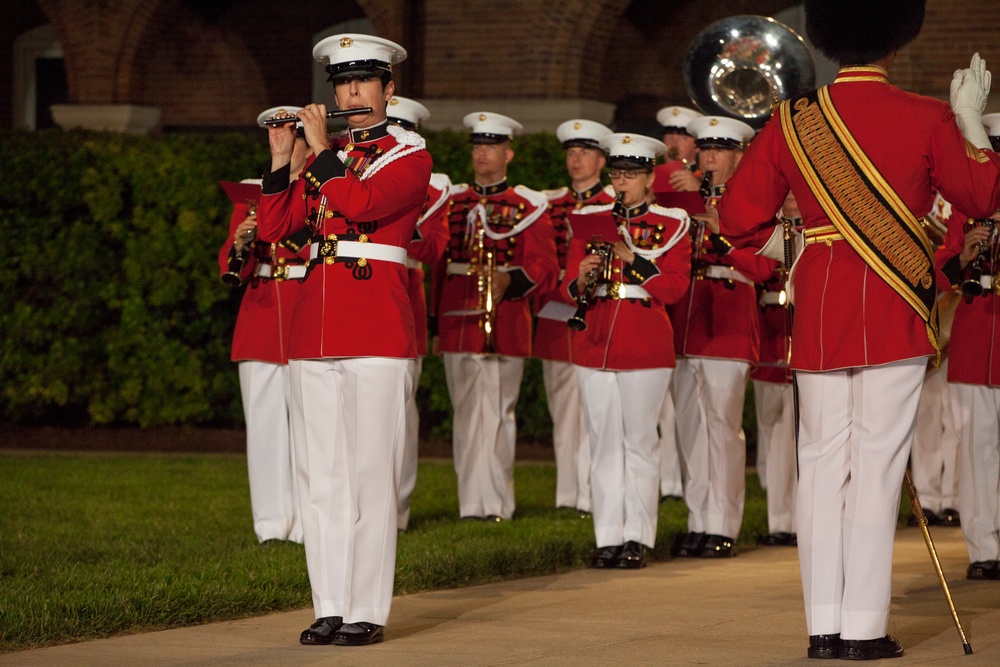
[[824, 647], [781, 540], [632, 556], [358, 634], [321, 632], [932, 519], [983, 569], [605, 556], [870, 649], [688, 546], [718, 546], [951, 517]]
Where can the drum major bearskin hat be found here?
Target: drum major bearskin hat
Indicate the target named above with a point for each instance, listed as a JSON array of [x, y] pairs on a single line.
[[858, 32]]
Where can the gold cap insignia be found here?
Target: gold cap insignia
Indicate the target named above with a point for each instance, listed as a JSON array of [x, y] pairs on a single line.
[[346, 42], [393, 102], [713, 122], [626, 139], [577, 125], [675, 112], [482, 116]]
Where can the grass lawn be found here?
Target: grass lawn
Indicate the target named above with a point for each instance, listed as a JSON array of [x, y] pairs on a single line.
[[93, 545]]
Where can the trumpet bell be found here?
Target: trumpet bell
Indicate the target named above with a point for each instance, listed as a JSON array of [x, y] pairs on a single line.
[[741, 66]]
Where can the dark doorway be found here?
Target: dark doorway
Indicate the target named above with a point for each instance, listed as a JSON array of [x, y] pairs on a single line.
[[52, 88]]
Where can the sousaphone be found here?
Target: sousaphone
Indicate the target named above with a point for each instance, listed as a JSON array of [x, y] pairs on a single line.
[[741, 66]]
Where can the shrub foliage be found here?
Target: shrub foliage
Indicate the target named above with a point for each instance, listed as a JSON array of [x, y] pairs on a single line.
[[110, 301]]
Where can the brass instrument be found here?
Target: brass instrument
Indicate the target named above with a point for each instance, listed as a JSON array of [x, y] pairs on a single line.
[[329, 114], [238, 258], [602, 273], [741, 66], [973, 285], [484, 264]]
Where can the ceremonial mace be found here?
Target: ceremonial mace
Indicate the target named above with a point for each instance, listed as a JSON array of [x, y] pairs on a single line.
[[918, 511]]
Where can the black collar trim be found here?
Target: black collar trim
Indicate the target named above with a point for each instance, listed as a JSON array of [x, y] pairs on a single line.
[[487, 190], [372, 133]]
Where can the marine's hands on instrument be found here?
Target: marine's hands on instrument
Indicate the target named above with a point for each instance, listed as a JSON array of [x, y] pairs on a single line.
[[970, 88], [973, 238], [313, 117], [590, 262], [281, 139], [245, 231], [683, 180], [711, 219], [624, 252]]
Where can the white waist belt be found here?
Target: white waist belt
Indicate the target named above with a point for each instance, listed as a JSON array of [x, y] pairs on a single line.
[[282, 271], [771, 299], [725, 273], [333, 249], [412, 263], [620, 291]]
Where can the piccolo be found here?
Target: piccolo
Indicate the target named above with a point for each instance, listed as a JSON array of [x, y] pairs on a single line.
[[329, 114]]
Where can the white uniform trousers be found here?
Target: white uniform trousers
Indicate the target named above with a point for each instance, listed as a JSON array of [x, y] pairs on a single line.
[[709, 396], [671, 479], [773, 403], [274, 500], [979, 470], [484, 392], [569, 435], [855, 430], [934, 457], [349, 423], [624, 458], [409, 452]]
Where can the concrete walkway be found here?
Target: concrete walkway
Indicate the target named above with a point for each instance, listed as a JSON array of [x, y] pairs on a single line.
[[744, 611]]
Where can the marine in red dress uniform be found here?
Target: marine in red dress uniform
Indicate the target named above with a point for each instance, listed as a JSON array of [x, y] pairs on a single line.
[[353, 338], [678, 173], [429, 239], [553, 340], [260, 348], [858, 347], [774, 401], [716, 335], [969, 257], [623, 357], [484, 371]]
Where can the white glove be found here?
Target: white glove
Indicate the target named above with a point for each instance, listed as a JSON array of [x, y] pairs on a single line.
[[969, 90]]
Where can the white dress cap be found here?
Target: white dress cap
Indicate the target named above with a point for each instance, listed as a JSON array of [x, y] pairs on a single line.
[[407, 110], [491, 128], [581, 132], [273, 111], [676, 119], [719, 132], [624, 148], [355, 54]]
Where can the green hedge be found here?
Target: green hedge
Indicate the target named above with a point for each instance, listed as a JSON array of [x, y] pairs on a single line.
[[111, 308]]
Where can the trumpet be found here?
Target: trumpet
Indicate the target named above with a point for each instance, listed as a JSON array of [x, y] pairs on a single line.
[[484, 266], [973, 284], [600, 273], [238, 258], [329, 114]]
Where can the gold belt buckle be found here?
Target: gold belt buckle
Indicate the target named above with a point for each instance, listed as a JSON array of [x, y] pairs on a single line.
[[616, 290], [280, 273], [328, 249]]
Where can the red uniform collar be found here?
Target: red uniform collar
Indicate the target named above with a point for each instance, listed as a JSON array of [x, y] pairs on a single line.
[[862, 73]]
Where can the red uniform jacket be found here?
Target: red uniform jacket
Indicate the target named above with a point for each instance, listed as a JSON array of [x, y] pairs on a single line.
[[429, 239], [718, 318], [527, 251], [553, 338], [974, 352], [775, 335], [264, 322], [845, 314], [374, 189], [631, 333]]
